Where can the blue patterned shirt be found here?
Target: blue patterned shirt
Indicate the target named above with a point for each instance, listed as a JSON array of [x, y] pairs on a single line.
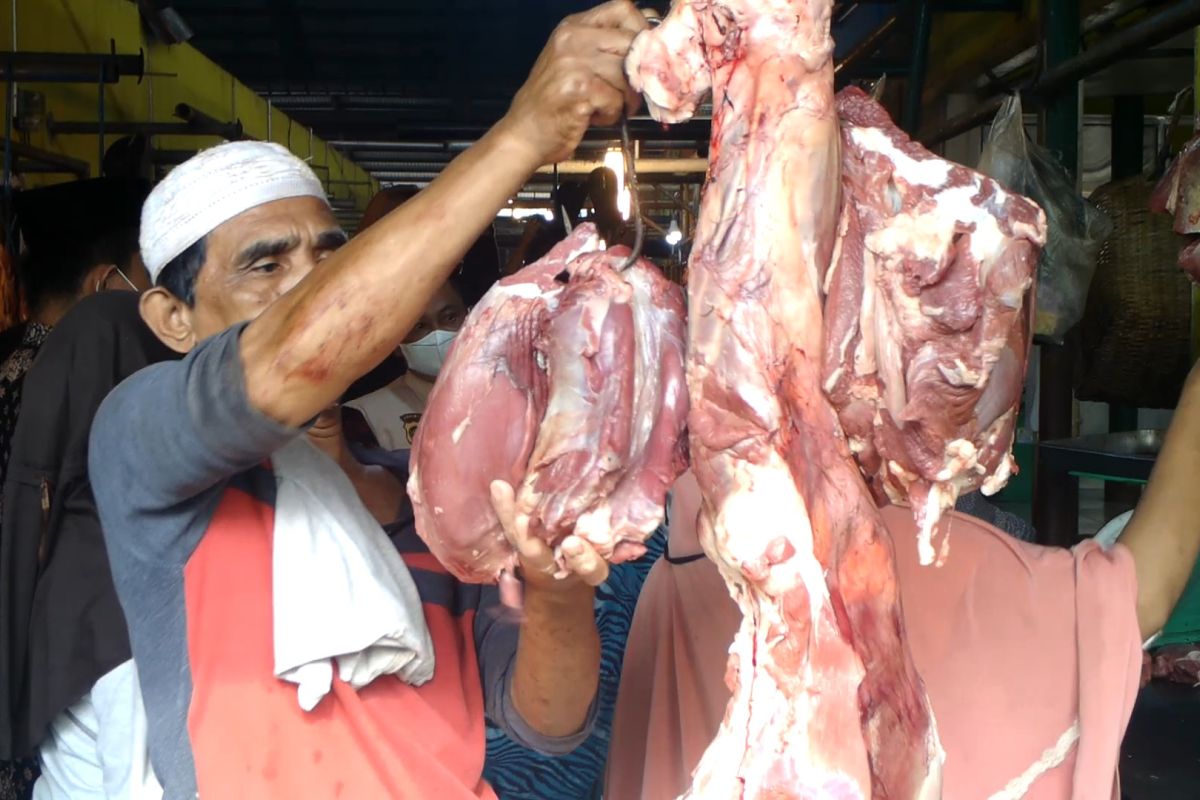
[[520, 774]]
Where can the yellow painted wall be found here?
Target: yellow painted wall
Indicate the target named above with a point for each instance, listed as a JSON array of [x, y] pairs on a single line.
[[185, 76]]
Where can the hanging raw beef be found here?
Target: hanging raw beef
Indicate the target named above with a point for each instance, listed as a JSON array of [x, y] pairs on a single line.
[[826, 701], [928, 317], [566, 381]]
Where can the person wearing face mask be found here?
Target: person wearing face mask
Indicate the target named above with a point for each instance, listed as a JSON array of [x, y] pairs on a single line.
[[393, 412], [439, 324], [389, 416]]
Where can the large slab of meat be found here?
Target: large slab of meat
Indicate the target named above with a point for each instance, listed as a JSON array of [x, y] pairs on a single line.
[[826, 701], [928, 317], [567, 382]]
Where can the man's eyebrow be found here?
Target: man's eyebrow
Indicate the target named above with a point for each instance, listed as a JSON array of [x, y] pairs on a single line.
[[332, 240], [266, 248]]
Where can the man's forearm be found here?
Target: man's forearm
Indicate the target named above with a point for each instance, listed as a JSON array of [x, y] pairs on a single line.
[[557, 668], [1164, 533], [345, 317]]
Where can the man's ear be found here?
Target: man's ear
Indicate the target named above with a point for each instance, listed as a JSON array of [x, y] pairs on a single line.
[[96, 279], [170, 318]]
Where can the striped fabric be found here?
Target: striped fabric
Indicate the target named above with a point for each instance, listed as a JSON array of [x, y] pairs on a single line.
[[520, 774]]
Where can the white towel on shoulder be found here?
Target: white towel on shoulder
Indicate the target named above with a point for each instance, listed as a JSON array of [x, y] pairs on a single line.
[[341, 591]]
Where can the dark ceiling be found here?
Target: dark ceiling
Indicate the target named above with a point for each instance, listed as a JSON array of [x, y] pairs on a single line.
[[379, 70], [464, 47], [400, 87]]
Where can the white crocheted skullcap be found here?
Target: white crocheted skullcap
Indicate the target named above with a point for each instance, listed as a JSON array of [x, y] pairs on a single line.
[[213, 187]]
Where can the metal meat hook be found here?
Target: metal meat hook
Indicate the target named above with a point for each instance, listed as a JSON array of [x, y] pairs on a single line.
[[635, 207]]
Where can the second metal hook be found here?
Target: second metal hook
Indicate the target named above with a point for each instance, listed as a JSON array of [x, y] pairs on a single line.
[[635, 208]]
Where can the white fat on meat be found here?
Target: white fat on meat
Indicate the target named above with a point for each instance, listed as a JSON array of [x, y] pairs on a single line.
[[764, 509], [933, 173]]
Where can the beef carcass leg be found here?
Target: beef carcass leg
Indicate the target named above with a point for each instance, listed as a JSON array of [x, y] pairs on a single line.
[[826, 702]]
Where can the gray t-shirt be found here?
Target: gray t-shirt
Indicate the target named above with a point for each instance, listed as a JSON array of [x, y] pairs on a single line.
[[179, 459]]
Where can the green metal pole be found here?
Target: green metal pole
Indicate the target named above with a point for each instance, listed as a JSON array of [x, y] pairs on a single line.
[[1061, 29], [1056, 508], [922, 24]]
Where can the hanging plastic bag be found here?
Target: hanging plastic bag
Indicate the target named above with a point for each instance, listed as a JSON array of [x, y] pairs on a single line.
[[1076, 229]]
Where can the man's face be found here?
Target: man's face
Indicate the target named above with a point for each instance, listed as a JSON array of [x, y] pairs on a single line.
[[258, 256], [445, 312]]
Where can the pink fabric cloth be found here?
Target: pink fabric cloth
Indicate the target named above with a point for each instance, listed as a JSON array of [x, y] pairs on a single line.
[[673, 694], [1015, 643]]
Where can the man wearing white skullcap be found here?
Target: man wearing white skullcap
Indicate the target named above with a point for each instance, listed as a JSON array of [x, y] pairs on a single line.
[[243, 565]]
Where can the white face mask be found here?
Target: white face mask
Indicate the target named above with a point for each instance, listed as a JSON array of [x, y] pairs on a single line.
[[426, 356]]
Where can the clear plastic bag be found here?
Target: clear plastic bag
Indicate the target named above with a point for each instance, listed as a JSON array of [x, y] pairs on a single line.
[[1076, 229]]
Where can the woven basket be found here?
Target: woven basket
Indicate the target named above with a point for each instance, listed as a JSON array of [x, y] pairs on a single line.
[[1135, 336]]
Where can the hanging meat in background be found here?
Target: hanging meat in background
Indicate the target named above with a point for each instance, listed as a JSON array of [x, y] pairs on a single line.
[[928, 318], [566, 381], [826, 701], [1179, 663], [1178, 194]]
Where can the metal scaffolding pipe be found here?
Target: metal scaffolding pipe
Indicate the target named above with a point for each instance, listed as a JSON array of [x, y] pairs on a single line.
[[1148, 32], [350, 127], [47, 162], [396, 156], [993, 78], [421, 151], [440, 156], [643, 166], [867, 47], [70, 67], [1142, 34], [1055, 505], [389, 165], [671, 178], [920, 60], [389, 175], [231, 131], [203, 122], [352, 145]]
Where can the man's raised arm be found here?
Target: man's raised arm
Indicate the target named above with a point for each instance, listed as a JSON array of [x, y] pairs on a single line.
[[1164, 533], [344, 318]]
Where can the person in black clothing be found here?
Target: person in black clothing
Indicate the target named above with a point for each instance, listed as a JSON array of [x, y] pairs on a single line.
[[61, 627], [80, 239], [387, 416]]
